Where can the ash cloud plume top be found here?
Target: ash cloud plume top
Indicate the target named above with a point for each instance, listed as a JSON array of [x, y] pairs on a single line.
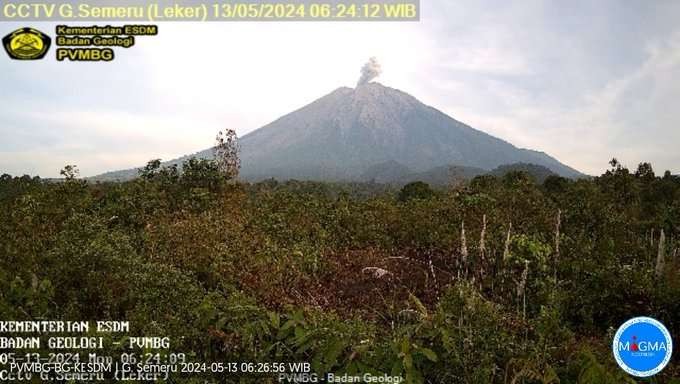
[[369, 71]]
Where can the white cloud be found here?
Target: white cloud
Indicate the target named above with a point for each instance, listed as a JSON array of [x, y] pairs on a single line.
[[633, 118]]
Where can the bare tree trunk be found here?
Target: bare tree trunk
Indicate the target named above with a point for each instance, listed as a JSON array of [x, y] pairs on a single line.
[[506, 249], [434, 276], [504, 259], [521, 288], [482, 252], [482, 244], [558, 223], [660, 256], [463, 249]]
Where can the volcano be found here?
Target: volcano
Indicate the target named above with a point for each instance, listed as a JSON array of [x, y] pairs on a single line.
[[350, 131]]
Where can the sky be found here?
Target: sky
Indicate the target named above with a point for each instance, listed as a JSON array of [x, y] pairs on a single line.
[[583, 81]]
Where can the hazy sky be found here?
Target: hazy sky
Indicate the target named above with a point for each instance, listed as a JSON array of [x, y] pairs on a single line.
[[583, 81]]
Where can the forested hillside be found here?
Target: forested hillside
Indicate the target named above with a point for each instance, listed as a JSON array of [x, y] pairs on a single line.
[[499, 280]]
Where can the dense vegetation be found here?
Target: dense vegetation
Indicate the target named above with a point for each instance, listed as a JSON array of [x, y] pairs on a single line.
[[499, 280]]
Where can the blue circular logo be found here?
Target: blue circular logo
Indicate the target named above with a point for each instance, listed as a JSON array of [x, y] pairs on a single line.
[[642, 346]]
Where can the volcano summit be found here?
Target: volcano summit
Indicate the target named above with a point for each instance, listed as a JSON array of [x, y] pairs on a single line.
[[349, 131]]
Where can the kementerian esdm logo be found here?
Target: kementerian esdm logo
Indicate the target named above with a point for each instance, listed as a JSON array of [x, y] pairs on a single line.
[[642, 346], [26, 44]]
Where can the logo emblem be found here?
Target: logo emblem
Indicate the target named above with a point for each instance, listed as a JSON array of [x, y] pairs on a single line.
[[642, 346], [26, 44]]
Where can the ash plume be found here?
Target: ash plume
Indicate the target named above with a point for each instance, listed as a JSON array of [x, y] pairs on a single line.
[[369, 71]]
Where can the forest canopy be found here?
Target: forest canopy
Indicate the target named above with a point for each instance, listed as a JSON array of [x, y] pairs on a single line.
[[497, 280]]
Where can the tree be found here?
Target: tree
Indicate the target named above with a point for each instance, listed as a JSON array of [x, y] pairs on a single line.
[[155, 171], [619, 184], [150, 169], [416, 190], [226, 153], [555, 184], [70, 172], [615, 164], [645, 172], [201, 173]]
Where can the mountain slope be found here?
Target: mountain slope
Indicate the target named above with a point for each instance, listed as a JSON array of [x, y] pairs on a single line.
[[343, 134], [538, 172], [394, 173]]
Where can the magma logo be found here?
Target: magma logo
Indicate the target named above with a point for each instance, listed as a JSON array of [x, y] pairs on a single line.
[[642, 346]]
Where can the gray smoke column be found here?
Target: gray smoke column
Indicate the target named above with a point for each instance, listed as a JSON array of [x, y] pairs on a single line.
[[369, 71]]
